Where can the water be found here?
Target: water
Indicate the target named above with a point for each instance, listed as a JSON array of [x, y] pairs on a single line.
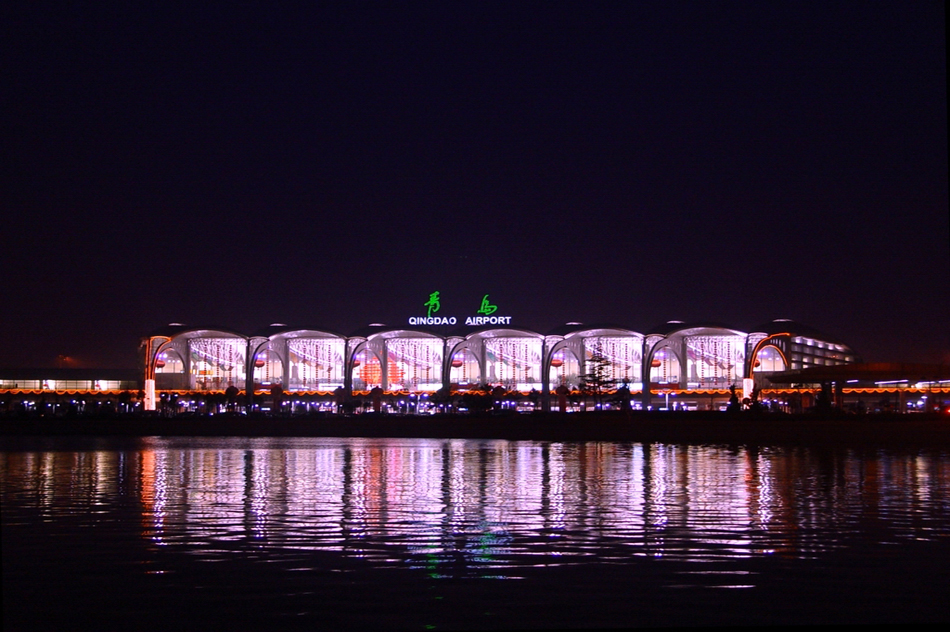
[[463, 534]]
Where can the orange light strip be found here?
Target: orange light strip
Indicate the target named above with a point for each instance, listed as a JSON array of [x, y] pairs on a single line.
[[29, 391]]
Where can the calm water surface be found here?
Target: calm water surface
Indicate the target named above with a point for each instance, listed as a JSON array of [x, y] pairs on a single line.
[[429, 534]]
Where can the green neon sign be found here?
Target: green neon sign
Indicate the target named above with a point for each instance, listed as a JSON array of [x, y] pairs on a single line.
[[486, 307], [433, 303]]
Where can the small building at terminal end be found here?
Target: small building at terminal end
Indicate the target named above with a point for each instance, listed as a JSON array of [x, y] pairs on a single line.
[[69, 380], [675, 357], [68, 390]]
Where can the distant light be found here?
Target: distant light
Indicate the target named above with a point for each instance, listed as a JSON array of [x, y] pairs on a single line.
[[674, 322], [574, 323], [377, 324], [782, 320], [176, 324], [278, 324]]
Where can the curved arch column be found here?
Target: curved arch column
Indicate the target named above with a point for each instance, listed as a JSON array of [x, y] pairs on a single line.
[[651, 346], [375, 348], [551, 346], [352, 349], [476, 347], [254, 346], [152, 347]]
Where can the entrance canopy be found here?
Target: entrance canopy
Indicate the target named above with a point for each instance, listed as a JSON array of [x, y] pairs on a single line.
[[869, 372]]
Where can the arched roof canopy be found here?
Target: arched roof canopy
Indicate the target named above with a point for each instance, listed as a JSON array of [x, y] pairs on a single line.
[[473, 339], [177, 336], [375, 329], [501, 332], [403, 333], [369, 338], [675, 329], [280, 330], [291, 334], [567, 335], [594, 329], [179, 330], [204, 332]]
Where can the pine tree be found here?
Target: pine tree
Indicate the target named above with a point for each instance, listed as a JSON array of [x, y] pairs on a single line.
[[597, 380]]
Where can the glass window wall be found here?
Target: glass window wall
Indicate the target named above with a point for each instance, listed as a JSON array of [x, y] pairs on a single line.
[[624, 354], [217, 363], [316, 364], [714, 361], [514, 363], [417, 363]]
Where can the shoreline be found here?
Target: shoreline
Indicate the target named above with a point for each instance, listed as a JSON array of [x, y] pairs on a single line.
[[918, 430]]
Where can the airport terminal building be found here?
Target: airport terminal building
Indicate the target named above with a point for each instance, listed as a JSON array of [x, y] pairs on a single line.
[[418, 359]]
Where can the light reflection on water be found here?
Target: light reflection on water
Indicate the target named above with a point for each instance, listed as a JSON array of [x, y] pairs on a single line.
[[491, 508]]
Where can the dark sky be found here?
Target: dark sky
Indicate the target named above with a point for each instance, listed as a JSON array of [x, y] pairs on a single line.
[[330, 166]]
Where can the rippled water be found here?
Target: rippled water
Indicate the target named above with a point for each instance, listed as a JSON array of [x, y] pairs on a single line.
[[359, 532]]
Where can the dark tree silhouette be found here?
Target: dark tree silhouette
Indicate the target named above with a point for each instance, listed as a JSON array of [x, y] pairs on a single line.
[[597, 380], [277, 395], [231, 395], [478, 400], [734, 405]]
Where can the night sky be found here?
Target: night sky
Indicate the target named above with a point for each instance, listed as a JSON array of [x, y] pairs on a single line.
[[328, 165]]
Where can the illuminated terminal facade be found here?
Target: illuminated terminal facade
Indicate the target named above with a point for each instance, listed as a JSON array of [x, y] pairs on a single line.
[[418, 360]]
